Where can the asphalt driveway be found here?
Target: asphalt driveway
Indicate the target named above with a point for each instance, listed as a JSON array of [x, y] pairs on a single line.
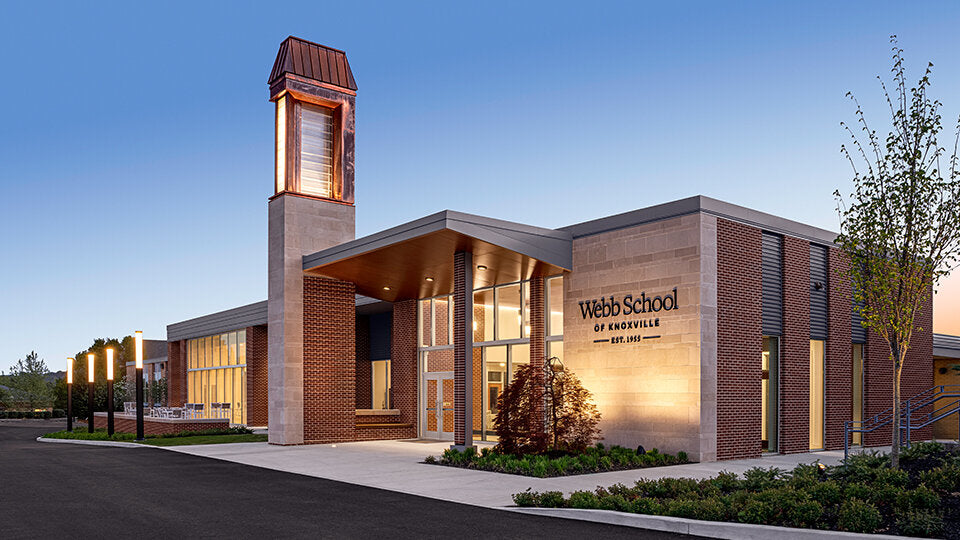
[[64, 490]]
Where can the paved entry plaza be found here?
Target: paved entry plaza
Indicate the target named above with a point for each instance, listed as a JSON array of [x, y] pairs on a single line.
[[397, 466]]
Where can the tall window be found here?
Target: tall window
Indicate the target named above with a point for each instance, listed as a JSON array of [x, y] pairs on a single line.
[[217, 375], [316, 151], [857, 391], [769, 391], [817, 350], [381, 384]]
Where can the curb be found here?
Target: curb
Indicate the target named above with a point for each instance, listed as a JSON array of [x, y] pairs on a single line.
[[118, 444], [695, 527]]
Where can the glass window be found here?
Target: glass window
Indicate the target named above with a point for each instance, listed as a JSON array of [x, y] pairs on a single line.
[[554, 294], [494, 378], [483, 315], [441, 321], [509, 315], [519, 356], [232, 348], [316, 150], [769, 393], [224, 349], [857, 391], [207, 352], [242, 347], [426, 323], [555, 350], [526, 309], [381, 384], [817, 350], [215, 344], [281, 157]]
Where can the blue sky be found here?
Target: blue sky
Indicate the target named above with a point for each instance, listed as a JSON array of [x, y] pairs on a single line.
[[136, 148]]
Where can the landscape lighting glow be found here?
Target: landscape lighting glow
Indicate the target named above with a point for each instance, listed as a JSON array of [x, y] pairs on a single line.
[[138, 337], [69, 370], [110, 364], [90, 366]]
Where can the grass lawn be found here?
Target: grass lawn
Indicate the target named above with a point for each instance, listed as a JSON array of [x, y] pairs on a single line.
[[212, 436], [206, 439]]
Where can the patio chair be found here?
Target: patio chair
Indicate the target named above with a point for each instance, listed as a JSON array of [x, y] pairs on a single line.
[[198, 410], [225, 410], [214, 410]]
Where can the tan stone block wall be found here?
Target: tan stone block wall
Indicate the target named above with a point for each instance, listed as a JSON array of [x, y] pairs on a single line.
[[648, 392]]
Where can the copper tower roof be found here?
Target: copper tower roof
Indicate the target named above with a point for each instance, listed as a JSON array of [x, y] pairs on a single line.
[[313, 61]]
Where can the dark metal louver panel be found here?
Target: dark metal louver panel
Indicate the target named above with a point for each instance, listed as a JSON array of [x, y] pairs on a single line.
[[858, 333], [819, 292], [771, 273], [380, 330]]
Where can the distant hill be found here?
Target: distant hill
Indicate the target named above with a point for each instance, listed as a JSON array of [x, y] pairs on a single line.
[[54, 376]]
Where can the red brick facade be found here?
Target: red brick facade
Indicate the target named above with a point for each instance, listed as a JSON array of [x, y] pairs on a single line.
[[839, 365], [257, 385], [329, 362], [538, 345], [794, 403], [460, 292], [403, 370], [364, 372], [176, 373], [739, 343], [122, 424]]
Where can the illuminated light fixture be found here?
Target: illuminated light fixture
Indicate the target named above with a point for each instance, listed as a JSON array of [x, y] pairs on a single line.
[[386, 288], [481, 267], [138, 338], [526, 329], [69, 370], [430, 279], [110, 364], [90, 366], [475, 326]]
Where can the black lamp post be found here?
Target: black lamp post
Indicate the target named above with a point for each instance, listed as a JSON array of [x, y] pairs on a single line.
[[69, 394], [110, 392], [90, 366], [139, 341]]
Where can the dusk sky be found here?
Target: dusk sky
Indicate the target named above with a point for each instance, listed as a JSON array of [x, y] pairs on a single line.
[[136, 152]]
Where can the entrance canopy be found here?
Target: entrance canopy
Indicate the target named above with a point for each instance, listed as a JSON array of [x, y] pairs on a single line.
[[415, 260]]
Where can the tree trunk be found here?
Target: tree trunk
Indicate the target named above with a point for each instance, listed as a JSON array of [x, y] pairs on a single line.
[[895, 442]]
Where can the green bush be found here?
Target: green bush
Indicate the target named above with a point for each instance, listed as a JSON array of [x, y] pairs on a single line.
[[827, 492], [945, 479], [920, 450], [551, 499], [758, 478], [59, 413], [858, 516], [614, 502], [526, 498], [644, 505], [922, 523], [920, 498], [583, 500]]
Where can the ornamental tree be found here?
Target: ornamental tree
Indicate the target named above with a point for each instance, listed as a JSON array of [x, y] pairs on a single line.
[[900, 228]]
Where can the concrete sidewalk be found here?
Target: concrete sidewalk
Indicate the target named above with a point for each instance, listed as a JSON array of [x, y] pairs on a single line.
[[397, 466]]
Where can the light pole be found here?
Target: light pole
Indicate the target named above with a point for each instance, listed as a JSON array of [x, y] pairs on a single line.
[[110, 392], [90, 366], [139, 341], [69, 394]]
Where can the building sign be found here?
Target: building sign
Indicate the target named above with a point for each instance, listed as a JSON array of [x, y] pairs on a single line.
[[640, 312]]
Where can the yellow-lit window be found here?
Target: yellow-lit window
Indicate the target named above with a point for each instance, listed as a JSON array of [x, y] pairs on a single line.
[[381, 384], [281, 144], [316, 150]]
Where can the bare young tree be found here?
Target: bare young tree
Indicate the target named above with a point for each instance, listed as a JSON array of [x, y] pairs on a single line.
[[900, 228]]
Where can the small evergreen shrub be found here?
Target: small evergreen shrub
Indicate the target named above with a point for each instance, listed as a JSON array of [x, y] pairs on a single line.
[[921, 523], [858, 516]]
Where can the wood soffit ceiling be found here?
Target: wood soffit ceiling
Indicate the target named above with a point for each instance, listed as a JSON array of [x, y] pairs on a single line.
[[405, 265]]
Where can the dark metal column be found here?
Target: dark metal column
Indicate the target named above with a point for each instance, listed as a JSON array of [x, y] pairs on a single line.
[[140, 404], [90, 405]]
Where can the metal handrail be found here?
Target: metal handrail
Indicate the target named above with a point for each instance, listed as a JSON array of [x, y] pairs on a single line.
[[907, 409]]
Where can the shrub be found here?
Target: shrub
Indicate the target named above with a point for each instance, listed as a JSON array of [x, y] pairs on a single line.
[[945, 479], [643, 505], [430, 459], [614, 502], [525, 498], [758, 479], [858, 516], [920, 498], [583, 500], [59, 413], [757, 512], [922, 523], [551, 499], [826, 493], [683, 508], [920, 450], [804, 514], [682, 457]]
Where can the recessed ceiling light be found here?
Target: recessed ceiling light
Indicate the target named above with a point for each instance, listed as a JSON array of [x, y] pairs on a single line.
[[481, 267], [386, 288], [428, 279]]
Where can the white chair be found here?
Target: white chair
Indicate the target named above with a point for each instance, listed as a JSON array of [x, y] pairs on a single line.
[[225, 410]]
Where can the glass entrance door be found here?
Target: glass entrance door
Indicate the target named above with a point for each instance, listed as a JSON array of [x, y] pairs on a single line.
[[769, 393], [438, 405]]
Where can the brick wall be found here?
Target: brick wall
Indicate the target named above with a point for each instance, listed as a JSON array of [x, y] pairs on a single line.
[[459, 360], [795, 348], [151, 427], [839, 365], [403, 368], [258, 398], [176, 373], [538, 346], [739, 341], [364, 374], [329, 361]]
